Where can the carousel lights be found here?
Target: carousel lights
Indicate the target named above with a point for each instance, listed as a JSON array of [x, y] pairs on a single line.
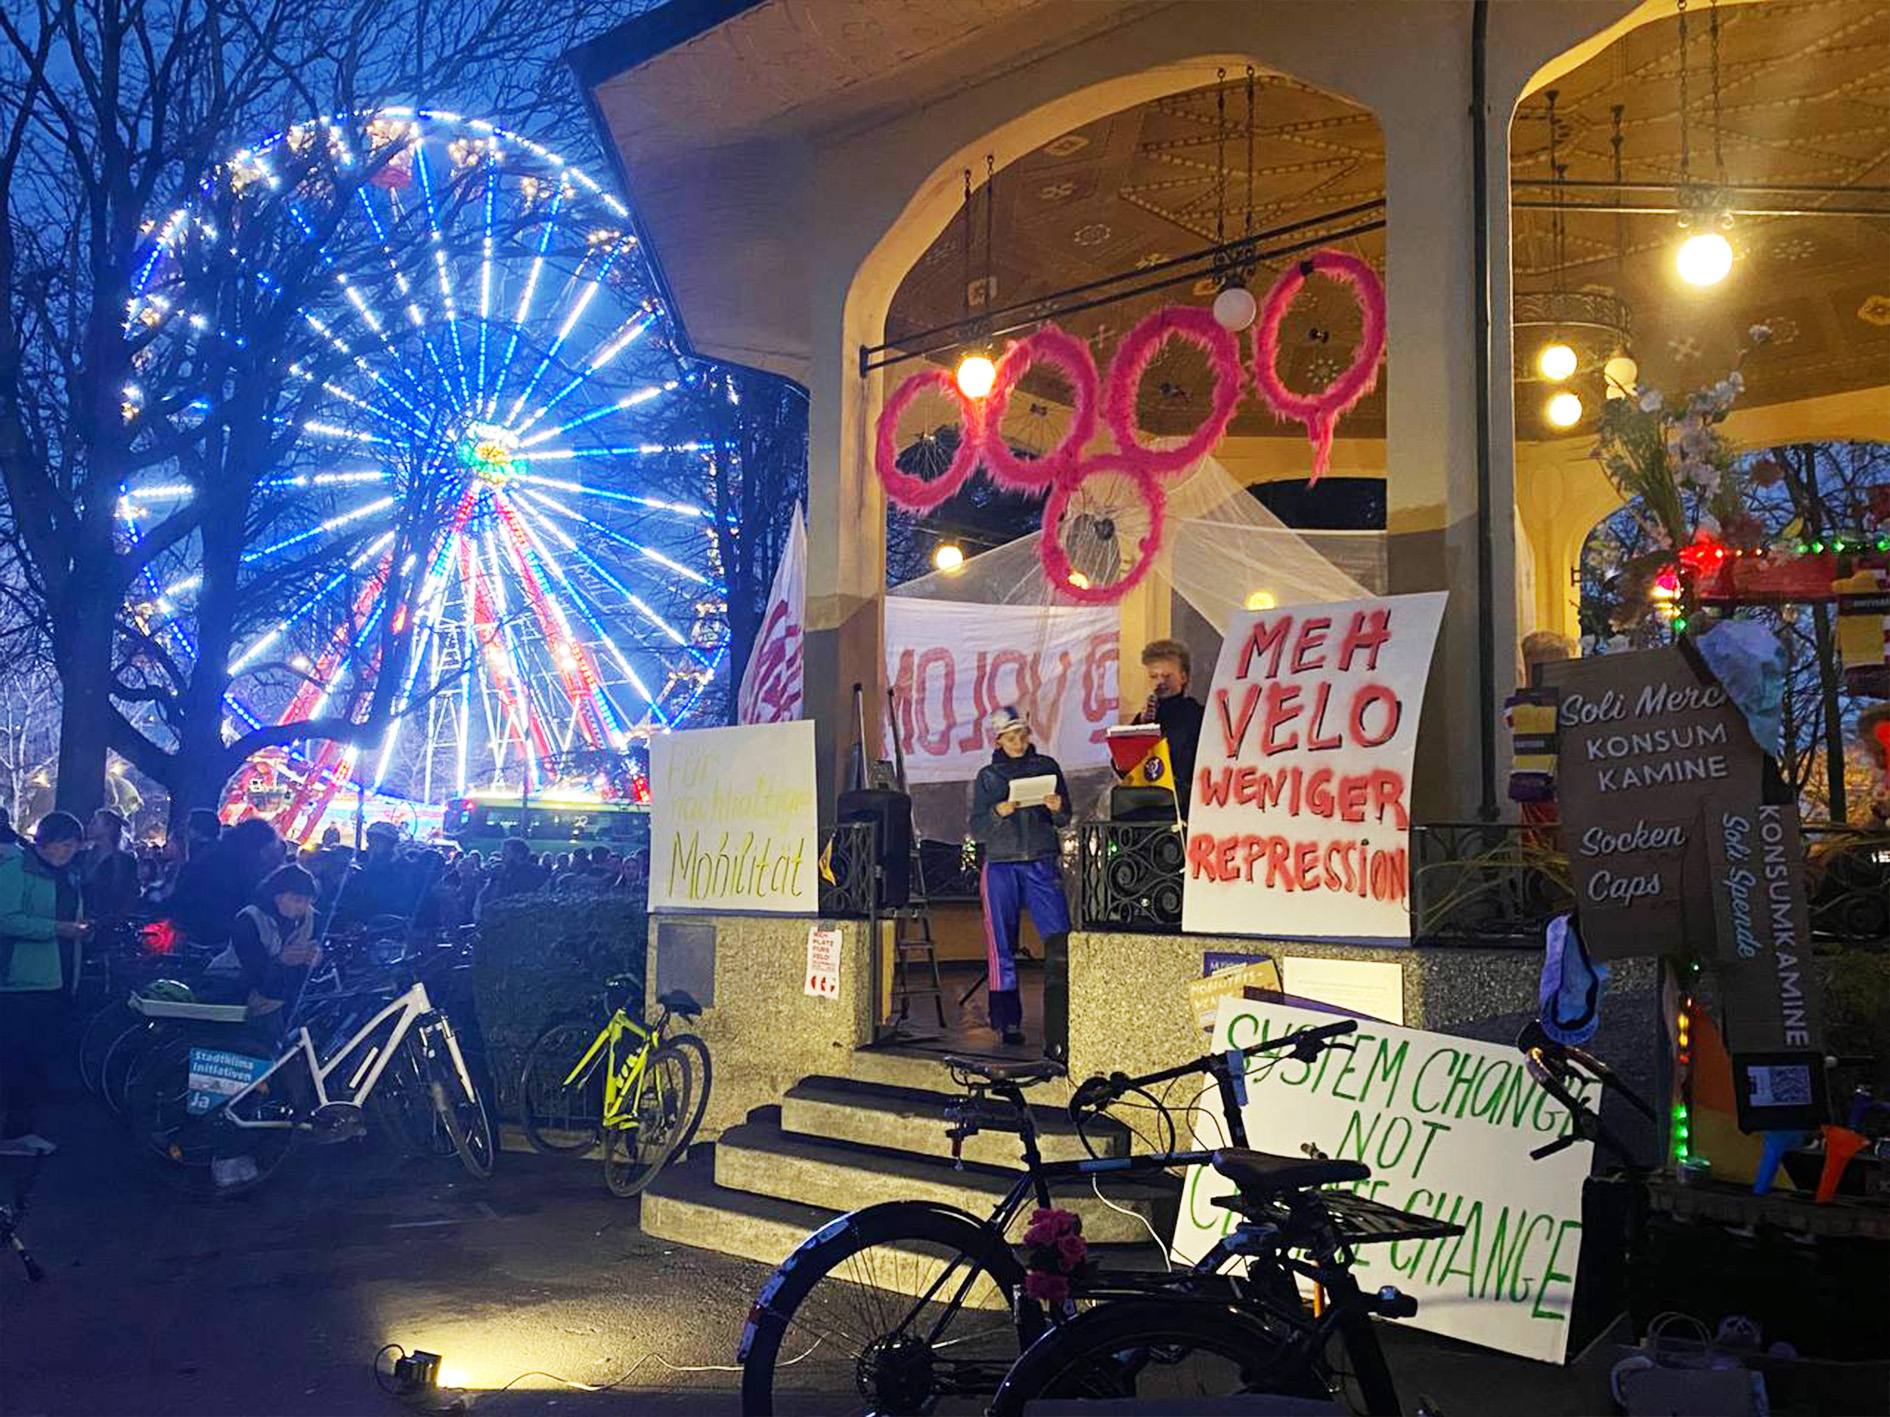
[[1564, 410], [1556, 362]]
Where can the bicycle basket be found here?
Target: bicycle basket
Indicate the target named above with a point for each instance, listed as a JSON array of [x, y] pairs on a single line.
[[1363, 1221]]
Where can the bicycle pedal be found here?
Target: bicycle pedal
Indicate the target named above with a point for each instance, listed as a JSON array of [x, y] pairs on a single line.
[[337, 1122]]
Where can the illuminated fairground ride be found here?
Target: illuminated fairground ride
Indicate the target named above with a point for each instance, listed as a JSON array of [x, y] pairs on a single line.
[[492, 355]]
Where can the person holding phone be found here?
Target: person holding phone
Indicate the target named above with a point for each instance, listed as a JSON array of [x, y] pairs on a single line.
[[1021, 855], [41, 935]]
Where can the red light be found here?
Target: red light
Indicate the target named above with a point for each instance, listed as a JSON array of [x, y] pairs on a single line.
[[159, 938]]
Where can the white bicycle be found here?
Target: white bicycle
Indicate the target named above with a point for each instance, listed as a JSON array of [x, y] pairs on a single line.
[[218, 1116]]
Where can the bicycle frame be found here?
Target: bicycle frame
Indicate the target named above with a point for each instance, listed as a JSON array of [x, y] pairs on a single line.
[[408, 1010], [619, 1079]]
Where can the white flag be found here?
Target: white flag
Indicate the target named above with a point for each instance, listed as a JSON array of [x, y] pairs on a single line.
[[772, 684]]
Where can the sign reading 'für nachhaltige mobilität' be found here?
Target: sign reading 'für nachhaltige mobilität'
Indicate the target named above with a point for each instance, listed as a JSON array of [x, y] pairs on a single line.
[[1648, 748], [733, 824]]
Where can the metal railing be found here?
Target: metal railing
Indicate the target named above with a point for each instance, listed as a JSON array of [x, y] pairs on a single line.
[[849, 871], [1128, 876], [1486, 883]]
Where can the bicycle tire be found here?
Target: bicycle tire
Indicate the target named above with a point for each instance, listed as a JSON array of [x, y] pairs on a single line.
[[807, 1298], [121, 1059], [179, 1149], [635, 1155], [1105, 1353], [462, 1115], [402, 1105], [101, 1031], [703, 1078], [556, 1051]]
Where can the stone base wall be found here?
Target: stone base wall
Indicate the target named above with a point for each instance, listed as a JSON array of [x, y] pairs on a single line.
[[764, 1030]]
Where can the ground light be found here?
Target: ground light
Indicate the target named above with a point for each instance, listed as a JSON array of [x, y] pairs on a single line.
[[1556, 362], [1564, 410], [976, 374], [948, 557], [1704, 258]]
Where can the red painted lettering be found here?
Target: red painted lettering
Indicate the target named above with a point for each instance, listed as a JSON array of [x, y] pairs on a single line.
[[1390, 710], [1233, 732], [1282, 709], [1369, 630], [1312, 639], [1201, 856], [1268, 639], [1316, 741]]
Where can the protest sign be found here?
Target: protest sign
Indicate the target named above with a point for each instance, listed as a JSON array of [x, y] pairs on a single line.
[[1301, 817], [1446, 1125], [732, 819], [951, 665], [1648, 745], [823, 963], [1230, 978], [773, 683]]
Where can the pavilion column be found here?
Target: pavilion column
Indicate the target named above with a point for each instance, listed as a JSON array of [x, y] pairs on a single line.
[[1431, 422]]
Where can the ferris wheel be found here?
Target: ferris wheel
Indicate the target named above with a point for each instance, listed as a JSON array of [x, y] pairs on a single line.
[[488, 411]]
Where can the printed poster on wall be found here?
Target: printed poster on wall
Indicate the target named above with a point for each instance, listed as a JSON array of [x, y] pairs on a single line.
[[1301, 820], [823, 963], [952, 664], [1446, 1125], [732, 819]]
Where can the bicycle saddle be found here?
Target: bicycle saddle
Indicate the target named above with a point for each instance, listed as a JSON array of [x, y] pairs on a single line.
[[1260, 1173], [997, 1070], [678, 1002]]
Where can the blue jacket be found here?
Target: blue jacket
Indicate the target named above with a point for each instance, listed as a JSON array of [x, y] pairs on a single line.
[[1029, 833]]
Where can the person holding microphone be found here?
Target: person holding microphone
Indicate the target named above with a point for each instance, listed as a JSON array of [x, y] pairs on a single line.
[[1021, 868]]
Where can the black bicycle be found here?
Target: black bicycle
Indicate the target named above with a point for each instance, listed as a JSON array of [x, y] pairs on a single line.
[[909, 1302]]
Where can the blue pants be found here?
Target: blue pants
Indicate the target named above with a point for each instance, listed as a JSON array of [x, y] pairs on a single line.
[[1009, 886]]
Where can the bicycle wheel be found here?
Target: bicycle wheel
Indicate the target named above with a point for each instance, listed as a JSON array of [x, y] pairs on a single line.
[[104, 1029], [561, 1120], [898, 1305], [1172, 1350], [461, 1112], [638, 1144], [121, 1059], [402, 1104], [203, 1155], [701, 1076]]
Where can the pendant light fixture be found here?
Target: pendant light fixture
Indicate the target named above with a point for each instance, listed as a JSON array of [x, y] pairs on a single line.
[[1235, 307], [1557, 360], [976, 370], [1704, 256], [1621, 375]]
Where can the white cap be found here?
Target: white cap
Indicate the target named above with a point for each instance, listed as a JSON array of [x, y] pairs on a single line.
[[1006, 720]]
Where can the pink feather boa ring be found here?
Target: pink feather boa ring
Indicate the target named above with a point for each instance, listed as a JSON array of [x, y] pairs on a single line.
[[1139, 348], [1321, 411], [1048, 345], [916, 494]]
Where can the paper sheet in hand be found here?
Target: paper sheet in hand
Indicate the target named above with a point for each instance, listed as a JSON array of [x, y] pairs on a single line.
[[1031, 791]]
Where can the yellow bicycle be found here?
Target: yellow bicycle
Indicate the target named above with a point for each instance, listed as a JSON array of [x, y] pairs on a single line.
[[633, 1092]]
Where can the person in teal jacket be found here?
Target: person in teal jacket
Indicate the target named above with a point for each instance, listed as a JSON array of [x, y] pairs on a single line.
[[40, 938]]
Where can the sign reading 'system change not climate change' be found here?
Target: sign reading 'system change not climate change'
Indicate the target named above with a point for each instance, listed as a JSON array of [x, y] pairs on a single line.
[[733, 823], [1446, 1125], [1301, 816]]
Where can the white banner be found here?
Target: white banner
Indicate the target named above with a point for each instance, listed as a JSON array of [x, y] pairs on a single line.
[[1301, 818], [951, 664], [1446, 1125], [732, 819], [773, 683]]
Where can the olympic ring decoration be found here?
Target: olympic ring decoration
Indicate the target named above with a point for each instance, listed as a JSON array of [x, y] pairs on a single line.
[[1198, 327], [916, 494], [1320, 412], [1056, 560], [1048, 345]]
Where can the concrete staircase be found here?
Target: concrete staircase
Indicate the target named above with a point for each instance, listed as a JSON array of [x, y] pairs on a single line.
[[837, 1143]]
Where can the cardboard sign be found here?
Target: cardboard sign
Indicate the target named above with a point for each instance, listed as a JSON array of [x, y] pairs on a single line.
[[1367, 987], [1446, 1125], [1650, 747], [732, 820], [952, 665], [1301, 817], [823, 963]]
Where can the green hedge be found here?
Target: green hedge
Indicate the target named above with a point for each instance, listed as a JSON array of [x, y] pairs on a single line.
[[541, 956]]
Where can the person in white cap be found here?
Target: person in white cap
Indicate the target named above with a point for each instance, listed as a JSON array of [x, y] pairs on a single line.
[[1021, 854]]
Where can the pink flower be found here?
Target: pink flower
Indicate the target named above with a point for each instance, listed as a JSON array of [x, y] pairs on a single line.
[[1072, 1248], [1046, 1288]]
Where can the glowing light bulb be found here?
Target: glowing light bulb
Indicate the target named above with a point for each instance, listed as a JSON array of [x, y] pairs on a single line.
[[1079, 580], [976, 374], [1704, 259], [1622, 374], [1564, 410], [1557, 361], [948, 557], [1260, 600]]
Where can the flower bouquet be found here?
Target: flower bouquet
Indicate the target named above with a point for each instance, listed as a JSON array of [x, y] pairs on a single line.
[[1055, 1254]]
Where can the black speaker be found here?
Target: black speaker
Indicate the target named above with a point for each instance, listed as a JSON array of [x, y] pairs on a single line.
[[891, 812]]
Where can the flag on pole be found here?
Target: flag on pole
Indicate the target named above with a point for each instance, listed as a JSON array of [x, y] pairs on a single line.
[[1140, 754], [773, 683]]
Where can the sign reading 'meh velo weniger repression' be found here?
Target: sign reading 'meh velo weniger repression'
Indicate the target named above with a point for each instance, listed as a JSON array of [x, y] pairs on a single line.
[[733, 824]]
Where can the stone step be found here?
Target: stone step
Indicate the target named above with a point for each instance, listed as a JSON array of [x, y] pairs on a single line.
[[913, 1119], [686, 1206], [927, 1071], [759, 1157]]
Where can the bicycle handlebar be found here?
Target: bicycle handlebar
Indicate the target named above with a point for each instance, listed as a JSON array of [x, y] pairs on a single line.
[[1556, 1067], [1304, 1043]]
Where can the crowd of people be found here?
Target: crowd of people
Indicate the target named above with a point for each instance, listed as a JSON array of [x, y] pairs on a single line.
[[261, 904]]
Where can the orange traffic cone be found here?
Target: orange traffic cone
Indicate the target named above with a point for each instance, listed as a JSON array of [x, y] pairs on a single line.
[[1840, 1145]]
